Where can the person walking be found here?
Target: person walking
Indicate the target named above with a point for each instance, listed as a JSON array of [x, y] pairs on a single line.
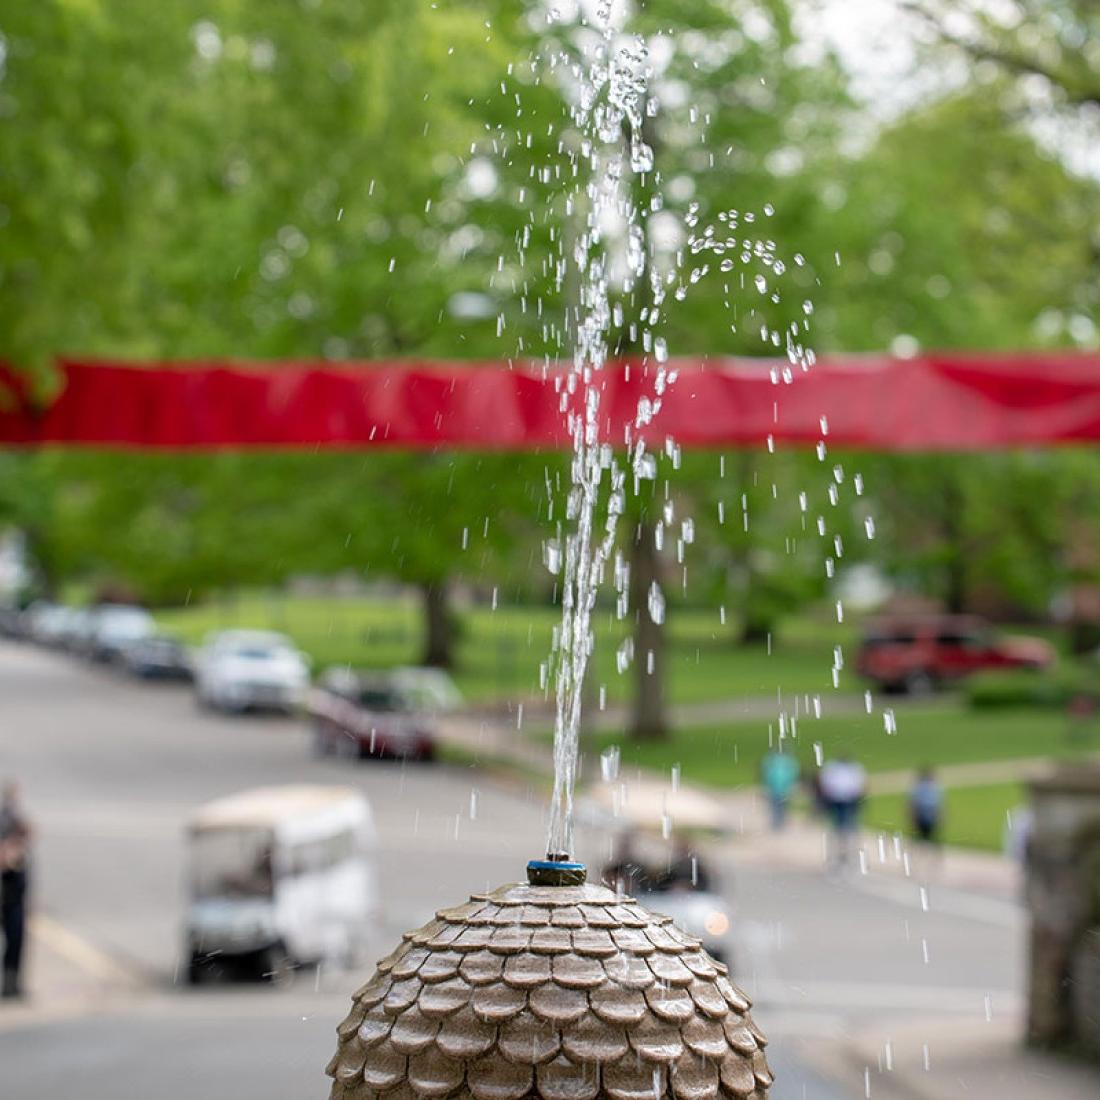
[[15, 835], [843, 788], [926, 806], [779, 773]]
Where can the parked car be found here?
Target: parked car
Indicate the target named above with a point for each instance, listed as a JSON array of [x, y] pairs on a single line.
[[159, 657], [238, 670], [917, 655], [359, 715], [280, 877], [113, 628], [48, 623]]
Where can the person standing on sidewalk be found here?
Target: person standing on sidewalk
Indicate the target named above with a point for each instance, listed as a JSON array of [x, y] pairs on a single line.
[[926, 806], [843, 787], [779, 773], [15, 836]]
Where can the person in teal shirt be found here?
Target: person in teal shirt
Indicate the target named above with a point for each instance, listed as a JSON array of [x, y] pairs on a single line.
[[779, 773]]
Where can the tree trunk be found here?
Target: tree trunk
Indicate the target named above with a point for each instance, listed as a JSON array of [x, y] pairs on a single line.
[[649, 720], [439, 632]]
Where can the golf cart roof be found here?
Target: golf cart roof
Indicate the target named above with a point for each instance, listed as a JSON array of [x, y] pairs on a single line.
[[268, 807]]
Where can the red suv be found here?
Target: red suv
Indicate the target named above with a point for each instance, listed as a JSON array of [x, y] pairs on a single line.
[[916, 655]]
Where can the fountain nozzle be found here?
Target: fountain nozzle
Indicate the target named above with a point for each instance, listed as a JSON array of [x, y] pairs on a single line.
[[557, 869]]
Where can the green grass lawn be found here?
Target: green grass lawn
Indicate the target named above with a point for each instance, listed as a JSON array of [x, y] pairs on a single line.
[[974, 817], [500, 651], [942, 732]]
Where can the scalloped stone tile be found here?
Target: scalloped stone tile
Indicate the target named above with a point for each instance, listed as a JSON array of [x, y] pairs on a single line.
[[375, 1027], [461, 914], [668, 968], [633, 941], [560, 1079], [598, 916], [410, 963], [422, 935], [700, 964], [734, 997], [432, 1074], [694, 1078], [482, 967], [632, 1079], [671, 1003], [629, 970], [596, 942], [739, 1035], [510, 940], [593, 1040], [705, 1037], [385, 965], [535, 916], [497, 1003], [445, 936], [462, 1035], [485, 915], [401, 995], [627, 915], [439, 966], [374, 992], [527, 1039], [617, 1005], [656, 1041], [413, 1032], [737, 1076], [444, 998], [762, 1070], [660, 939], [558, 1005], [709, 1001], [551, 941], [567, 916], [493, 1078], [577, 972], [527, 970], [757, 1033], [473, 938], [350, 1024], [384, 1069], [349, 1065]]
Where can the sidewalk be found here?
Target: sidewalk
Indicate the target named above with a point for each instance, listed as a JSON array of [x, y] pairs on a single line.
[[937, 1059], [66, 976]]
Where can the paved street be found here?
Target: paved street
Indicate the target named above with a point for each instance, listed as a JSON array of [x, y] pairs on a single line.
[[111, 770]]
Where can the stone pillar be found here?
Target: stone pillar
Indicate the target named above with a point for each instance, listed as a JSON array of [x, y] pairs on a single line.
[[1063, 894]]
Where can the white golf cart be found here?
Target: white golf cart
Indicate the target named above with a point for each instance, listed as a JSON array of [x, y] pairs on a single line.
[[280, 877]]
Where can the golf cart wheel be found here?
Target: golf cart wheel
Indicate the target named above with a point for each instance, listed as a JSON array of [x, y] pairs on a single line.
[[205, 970], [275, 965]]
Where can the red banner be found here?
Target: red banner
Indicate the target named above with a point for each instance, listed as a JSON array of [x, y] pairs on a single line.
[[935, 402]]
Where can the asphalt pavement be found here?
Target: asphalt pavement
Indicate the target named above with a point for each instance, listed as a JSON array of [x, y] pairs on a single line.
[[111, 769]]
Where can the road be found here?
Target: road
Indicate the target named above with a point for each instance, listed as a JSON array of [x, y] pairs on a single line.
[[111, 769]]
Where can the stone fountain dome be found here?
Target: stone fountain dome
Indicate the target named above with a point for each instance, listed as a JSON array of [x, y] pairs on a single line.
[[559, 992]]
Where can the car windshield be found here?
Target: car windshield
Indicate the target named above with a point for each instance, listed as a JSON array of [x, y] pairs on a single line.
[[232, 863], [380, 699]]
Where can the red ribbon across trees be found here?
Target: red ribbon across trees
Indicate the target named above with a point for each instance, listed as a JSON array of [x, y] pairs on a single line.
[[936, 402]]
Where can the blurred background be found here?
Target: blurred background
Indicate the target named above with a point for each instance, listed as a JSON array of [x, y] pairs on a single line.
[[339, 180]]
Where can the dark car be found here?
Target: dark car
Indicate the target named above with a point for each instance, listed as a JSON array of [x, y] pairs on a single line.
[[159, 657], [361, 715], [919, 654]]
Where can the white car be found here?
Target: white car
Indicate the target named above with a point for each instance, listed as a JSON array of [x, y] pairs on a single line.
[[115, 628], [238, 670]]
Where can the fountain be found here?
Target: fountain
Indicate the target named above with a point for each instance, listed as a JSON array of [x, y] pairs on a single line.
[[555, 987]]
